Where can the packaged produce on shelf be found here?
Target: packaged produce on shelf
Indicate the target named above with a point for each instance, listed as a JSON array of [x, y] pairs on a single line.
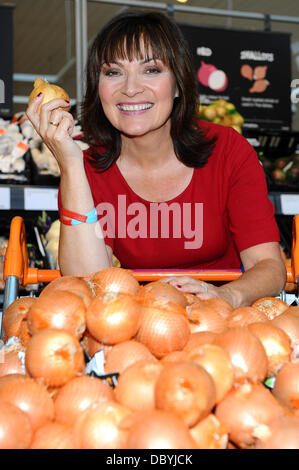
[[222, 112], [282, 170], [171, 374]]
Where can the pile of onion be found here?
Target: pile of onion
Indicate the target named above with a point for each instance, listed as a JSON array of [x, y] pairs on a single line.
[[202, 317], [243, 316], [124, 354], [270, 306], [286, 386], [14, 321], [161, 291], [113, 280], [74, 284]]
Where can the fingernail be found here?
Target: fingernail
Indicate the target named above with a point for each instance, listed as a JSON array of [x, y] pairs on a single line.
[[67, 101], [39, 94]]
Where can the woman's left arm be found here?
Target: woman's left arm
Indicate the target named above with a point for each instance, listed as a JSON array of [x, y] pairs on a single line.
[[264, 276]]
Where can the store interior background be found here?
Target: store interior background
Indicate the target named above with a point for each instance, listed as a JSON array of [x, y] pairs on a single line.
[[44, 35]]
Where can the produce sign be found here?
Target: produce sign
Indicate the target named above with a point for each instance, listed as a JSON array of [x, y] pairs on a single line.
[[244, 68], [6, 60]]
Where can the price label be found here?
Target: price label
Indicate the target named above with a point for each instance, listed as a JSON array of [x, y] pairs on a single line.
[[4, 198], [37, 199], [289, 204]]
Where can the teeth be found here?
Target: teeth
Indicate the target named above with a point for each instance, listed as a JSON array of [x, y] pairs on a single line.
[[135, 107]]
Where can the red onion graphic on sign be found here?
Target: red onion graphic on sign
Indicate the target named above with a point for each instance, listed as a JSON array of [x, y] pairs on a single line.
[[208, 75]]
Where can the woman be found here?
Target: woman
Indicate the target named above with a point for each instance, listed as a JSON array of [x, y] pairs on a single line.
[[171, 192]]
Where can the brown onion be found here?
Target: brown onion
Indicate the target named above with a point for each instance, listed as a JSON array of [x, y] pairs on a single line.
[[53, 436], [54, 356], [216, 361], [205, 318], [136, 385], [14, 321], [243, 316], [276, 342], [78, 395], [114, 280], [221, 306], [159, 290], [270, 306], [245, 411], [283, 433], [74, 284], [15, 427], [124, 354], [246, 352], [58, 309], [286, 386], [186, 389], [175, 356], [159, 429], [99, 426], [92, 345], [289, 323], [199, 338], [209, 433], [162, 331], [113, 318], [29, 396], [10, 361]]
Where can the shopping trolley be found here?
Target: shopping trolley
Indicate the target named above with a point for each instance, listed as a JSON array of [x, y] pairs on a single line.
[[18, 274]]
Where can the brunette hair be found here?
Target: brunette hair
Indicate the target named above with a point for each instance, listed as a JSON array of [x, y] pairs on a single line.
[[120, 39]]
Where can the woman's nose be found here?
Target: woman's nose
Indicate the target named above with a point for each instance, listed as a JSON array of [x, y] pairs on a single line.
[[132, 85]]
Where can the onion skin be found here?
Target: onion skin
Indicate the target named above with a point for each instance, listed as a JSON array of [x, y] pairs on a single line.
[[79, 394], [50, 91], [276, 342], [58, 309], [270, 306], [15, 427], [113, 318], [200, 338], [286, 387], [289, 323], [186, 389], [92, 346], [245, 411], [221, 306], [54, 356], [215, 360], [29, 396], [157, 290], [205, 318], [99, 427], [175, 356], [135, 387], [53, 436], [14, 321], [115, 280], [283, 433], [209, 433], [11, 361], [125, 354], [162, 331], [243, 316], [159, 429], [74, 284], [246, 352]]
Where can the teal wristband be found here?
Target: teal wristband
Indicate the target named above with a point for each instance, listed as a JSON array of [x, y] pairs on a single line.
[[91, 217]]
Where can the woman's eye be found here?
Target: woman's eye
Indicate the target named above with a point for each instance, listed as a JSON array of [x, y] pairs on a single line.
[[111, 73], [152, 70]]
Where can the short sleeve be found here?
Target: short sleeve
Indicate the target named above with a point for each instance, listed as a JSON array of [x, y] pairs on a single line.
[[250, 211]]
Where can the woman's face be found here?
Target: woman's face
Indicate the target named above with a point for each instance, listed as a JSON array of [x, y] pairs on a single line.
[[137, 96]]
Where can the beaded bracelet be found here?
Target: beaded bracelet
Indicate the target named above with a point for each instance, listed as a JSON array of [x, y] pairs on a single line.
[[76, 219]]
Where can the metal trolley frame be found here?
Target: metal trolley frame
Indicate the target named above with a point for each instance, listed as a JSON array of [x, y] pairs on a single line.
[[18, 274]]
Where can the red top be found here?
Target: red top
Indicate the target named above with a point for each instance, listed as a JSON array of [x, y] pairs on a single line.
[[224, 210]]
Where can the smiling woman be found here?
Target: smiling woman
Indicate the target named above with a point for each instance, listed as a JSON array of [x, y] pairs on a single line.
[[169, 191]]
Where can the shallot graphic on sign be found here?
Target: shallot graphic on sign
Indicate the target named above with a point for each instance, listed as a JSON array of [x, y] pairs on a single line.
[[208, 75], [257, 75]]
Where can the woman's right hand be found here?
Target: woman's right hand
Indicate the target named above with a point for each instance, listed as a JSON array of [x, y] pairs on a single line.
[[57, 138]]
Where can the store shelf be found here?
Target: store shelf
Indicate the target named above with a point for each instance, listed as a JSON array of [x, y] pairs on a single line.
[[285, 203], [28, 198]]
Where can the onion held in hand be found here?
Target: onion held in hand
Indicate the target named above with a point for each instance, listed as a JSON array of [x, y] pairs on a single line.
[[186, 389], [50, 92]]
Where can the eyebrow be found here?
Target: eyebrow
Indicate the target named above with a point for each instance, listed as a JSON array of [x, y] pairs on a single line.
[[141, 61]]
